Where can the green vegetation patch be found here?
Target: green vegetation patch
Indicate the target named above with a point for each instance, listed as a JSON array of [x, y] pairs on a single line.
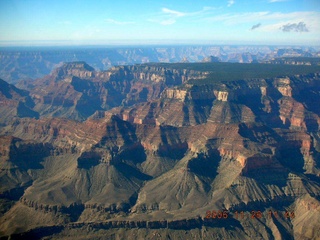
[[309, 60], [221, 72]]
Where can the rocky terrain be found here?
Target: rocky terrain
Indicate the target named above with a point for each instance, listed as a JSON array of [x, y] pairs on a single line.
[[23, 63], [14, 102], [162, 151]]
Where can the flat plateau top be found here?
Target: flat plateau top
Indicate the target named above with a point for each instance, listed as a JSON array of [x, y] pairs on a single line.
[[219, 71]]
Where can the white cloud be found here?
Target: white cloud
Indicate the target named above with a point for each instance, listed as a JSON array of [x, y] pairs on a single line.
[[110, 20], [230, 3], [231, 19], [173, 12], [252, 17], [273, 1], [270, 21], [170, 16]]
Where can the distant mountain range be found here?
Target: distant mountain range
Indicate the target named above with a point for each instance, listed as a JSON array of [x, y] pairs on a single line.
[[25, 63]]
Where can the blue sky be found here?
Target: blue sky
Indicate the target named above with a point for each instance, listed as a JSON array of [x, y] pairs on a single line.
[[68, 22]]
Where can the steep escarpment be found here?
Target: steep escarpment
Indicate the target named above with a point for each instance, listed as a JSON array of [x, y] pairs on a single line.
[[199, 166], [75, 91], [16, 159], [166, 152], [35, 62], [14, 102], [276, 102]]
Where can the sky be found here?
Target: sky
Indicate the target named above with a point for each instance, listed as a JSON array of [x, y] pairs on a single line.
[[119, 22]]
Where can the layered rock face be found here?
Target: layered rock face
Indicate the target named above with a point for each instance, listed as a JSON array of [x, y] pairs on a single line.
[[164, 154], [76, 91], [276, 102], [25, 63], [14, 102]]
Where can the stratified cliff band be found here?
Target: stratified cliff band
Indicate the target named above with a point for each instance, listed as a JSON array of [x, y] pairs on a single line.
[[160, 150]]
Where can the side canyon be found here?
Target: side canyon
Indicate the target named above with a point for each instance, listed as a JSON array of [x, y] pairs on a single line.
[[147, 150]]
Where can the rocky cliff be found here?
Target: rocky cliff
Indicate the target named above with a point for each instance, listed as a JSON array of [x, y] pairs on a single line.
[[14, 102], [278, 102], [32, 62], [76, 91], [169, 151]]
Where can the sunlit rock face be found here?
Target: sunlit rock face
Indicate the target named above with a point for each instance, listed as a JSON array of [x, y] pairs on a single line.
[[141, 148], [25, 63]]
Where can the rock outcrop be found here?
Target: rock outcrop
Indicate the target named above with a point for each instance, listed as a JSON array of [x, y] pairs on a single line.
[[26, 63], [14, 102], [155, 152]]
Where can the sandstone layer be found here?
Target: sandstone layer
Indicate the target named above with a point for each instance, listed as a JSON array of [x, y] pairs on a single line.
[[150, 149]]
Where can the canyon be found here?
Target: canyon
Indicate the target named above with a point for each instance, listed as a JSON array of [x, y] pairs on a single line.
[[23, 63], [146, 150]]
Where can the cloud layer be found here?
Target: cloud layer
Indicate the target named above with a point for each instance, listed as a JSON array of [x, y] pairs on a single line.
[[295, 27], [170, 16], [270, 21], [273, 1]]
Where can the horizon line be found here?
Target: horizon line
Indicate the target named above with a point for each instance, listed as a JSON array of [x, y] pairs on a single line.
[[156, 45], [147, 42]]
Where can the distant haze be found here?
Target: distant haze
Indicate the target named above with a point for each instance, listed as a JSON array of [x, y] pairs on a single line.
[[35, 22]]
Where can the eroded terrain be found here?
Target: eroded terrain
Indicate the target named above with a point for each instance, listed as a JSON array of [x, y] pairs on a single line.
[[145, 151]]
